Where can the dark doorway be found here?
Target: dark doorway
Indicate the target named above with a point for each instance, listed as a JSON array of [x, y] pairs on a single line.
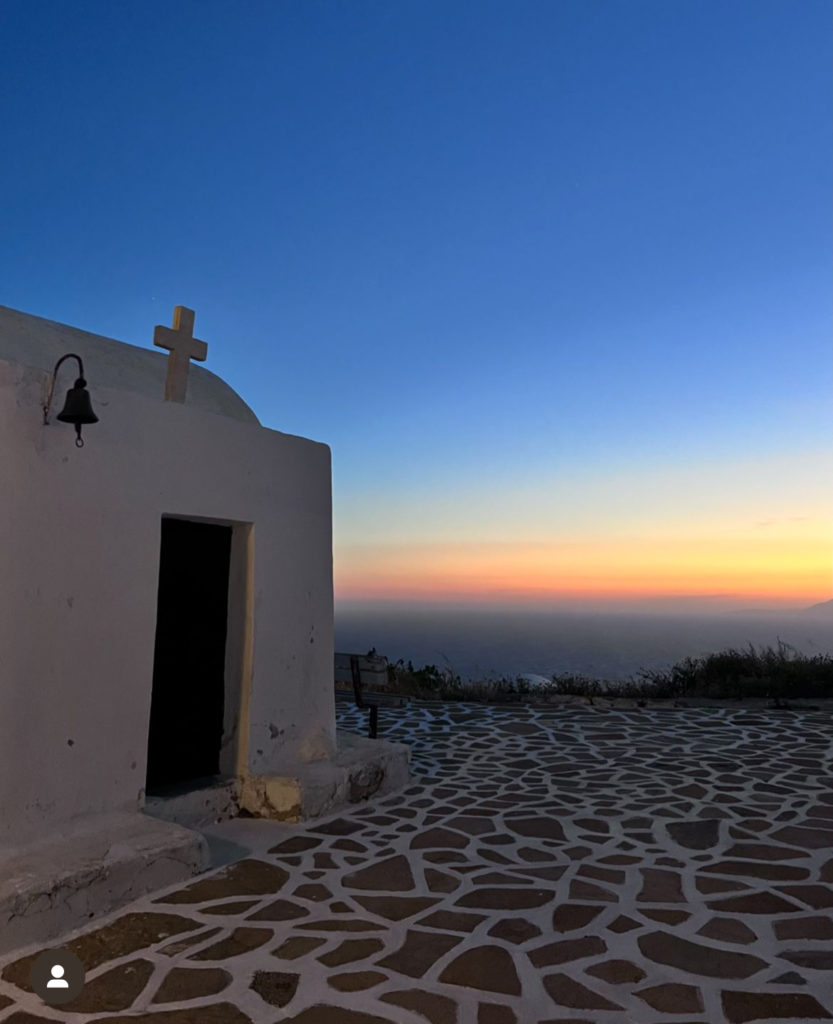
[[186, 713]]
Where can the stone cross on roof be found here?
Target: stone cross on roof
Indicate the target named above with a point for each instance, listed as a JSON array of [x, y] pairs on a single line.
[[183, 347]]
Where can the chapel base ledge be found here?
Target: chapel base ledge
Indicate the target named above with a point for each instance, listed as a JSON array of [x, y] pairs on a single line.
[[87, 869], [360, 770]]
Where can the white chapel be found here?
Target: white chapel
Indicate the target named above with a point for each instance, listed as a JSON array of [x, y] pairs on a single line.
[[166, 622]]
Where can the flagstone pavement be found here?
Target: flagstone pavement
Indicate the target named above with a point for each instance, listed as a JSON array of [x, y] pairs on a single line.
[[547, 864]]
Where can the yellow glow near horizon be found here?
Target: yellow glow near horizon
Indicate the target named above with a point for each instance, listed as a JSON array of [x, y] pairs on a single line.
[[788, 562], [748, 530]]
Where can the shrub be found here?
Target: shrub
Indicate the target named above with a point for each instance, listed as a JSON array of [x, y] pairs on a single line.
[[774, 673]]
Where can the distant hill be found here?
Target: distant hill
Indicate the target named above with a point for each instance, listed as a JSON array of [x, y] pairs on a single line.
[[823, 608]]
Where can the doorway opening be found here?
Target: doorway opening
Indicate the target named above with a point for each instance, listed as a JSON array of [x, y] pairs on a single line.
[[188, 699]]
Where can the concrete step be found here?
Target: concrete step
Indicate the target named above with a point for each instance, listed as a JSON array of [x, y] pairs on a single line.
[[90, 868]]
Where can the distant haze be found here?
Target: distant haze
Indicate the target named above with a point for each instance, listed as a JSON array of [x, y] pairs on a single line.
[[488, 642]]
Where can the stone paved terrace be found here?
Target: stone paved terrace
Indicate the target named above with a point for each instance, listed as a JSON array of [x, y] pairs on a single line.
[[548, 864]]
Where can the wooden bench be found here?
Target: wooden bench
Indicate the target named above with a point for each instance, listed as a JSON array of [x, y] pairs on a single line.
[[367, 669], [355, 671]]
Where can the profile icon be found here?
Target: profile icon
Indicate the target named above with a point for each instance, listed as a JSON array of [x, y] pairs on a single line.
[[57, 980], [57, 976]]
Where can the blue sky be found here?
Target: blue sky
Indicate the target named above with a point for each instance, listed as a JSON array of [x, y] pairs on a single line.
[[551, 273]]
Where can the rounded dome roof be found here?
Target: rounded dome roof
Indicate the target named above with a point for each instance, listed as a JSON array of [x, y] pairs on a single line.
[[33, 341]]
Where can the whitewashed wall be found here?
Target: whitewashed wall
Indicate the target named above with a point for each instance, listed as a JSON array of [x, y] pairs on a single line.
[[79, 563]]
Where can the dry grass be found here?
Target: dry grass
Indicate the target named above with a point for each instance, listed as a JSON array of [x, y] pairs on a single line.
[[777, 674]]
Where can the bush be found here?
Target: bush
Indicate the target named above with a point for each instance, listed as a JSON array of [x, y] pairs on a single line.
[[774, 673], [777, 674]]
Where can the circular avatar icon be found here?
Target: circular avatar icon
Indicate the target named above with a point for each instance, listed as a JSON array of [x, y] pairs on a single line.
[[57, 976]]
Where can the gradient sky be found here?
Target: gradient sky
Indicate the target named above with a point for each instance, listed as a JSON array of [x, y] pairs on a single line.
[[552, 277]]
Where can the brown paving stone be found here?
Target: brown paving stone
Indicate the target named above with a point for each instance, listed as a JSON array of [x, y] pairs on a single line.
[[22, 1017], [567, 992], [694, 835], [538, 828], [665, 916], [805, 838], [452, 921], [245, 878], [593, 825], [623, 924], [241, 940], [439, 837], [727, 929], [339, 827], [501, 878], [116, 989], [804, 928], [182, 983], [601, 874], [313, 893], [323, 1014], [217, 1013], [514, 929], [740, 1007], [589, 891], [707, 885], [816, 959], [530, 854], [419, 952], [755, 903], [789, 978], [769, 872], [351, 950], [492, 1013], [575, 1020], [391, 875], [280, 910], [616, 972], [125, 935], [324, 860], [545, 874], [493, 856], [297, 844], [566, 951], [297, 946], [356, 981], [396, 908], [489, 968], [672, 998], [351, 925], [180, 945], [471, 826], [568, 917], [445, 857], [764, 851], [350, 845], [5, 1002], [275, 987], [694, 958], [436, 1009], [440, 881], [505, 899], [235, 907], [816, 896], [660, 886]]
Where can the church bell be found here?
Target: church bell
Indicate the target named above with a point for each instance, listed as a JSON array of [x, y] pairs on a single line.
[[78, 409]]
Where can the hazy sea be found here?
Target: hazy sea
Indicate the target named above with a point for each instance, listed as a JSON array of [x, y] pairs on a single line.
[[481, 643]]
